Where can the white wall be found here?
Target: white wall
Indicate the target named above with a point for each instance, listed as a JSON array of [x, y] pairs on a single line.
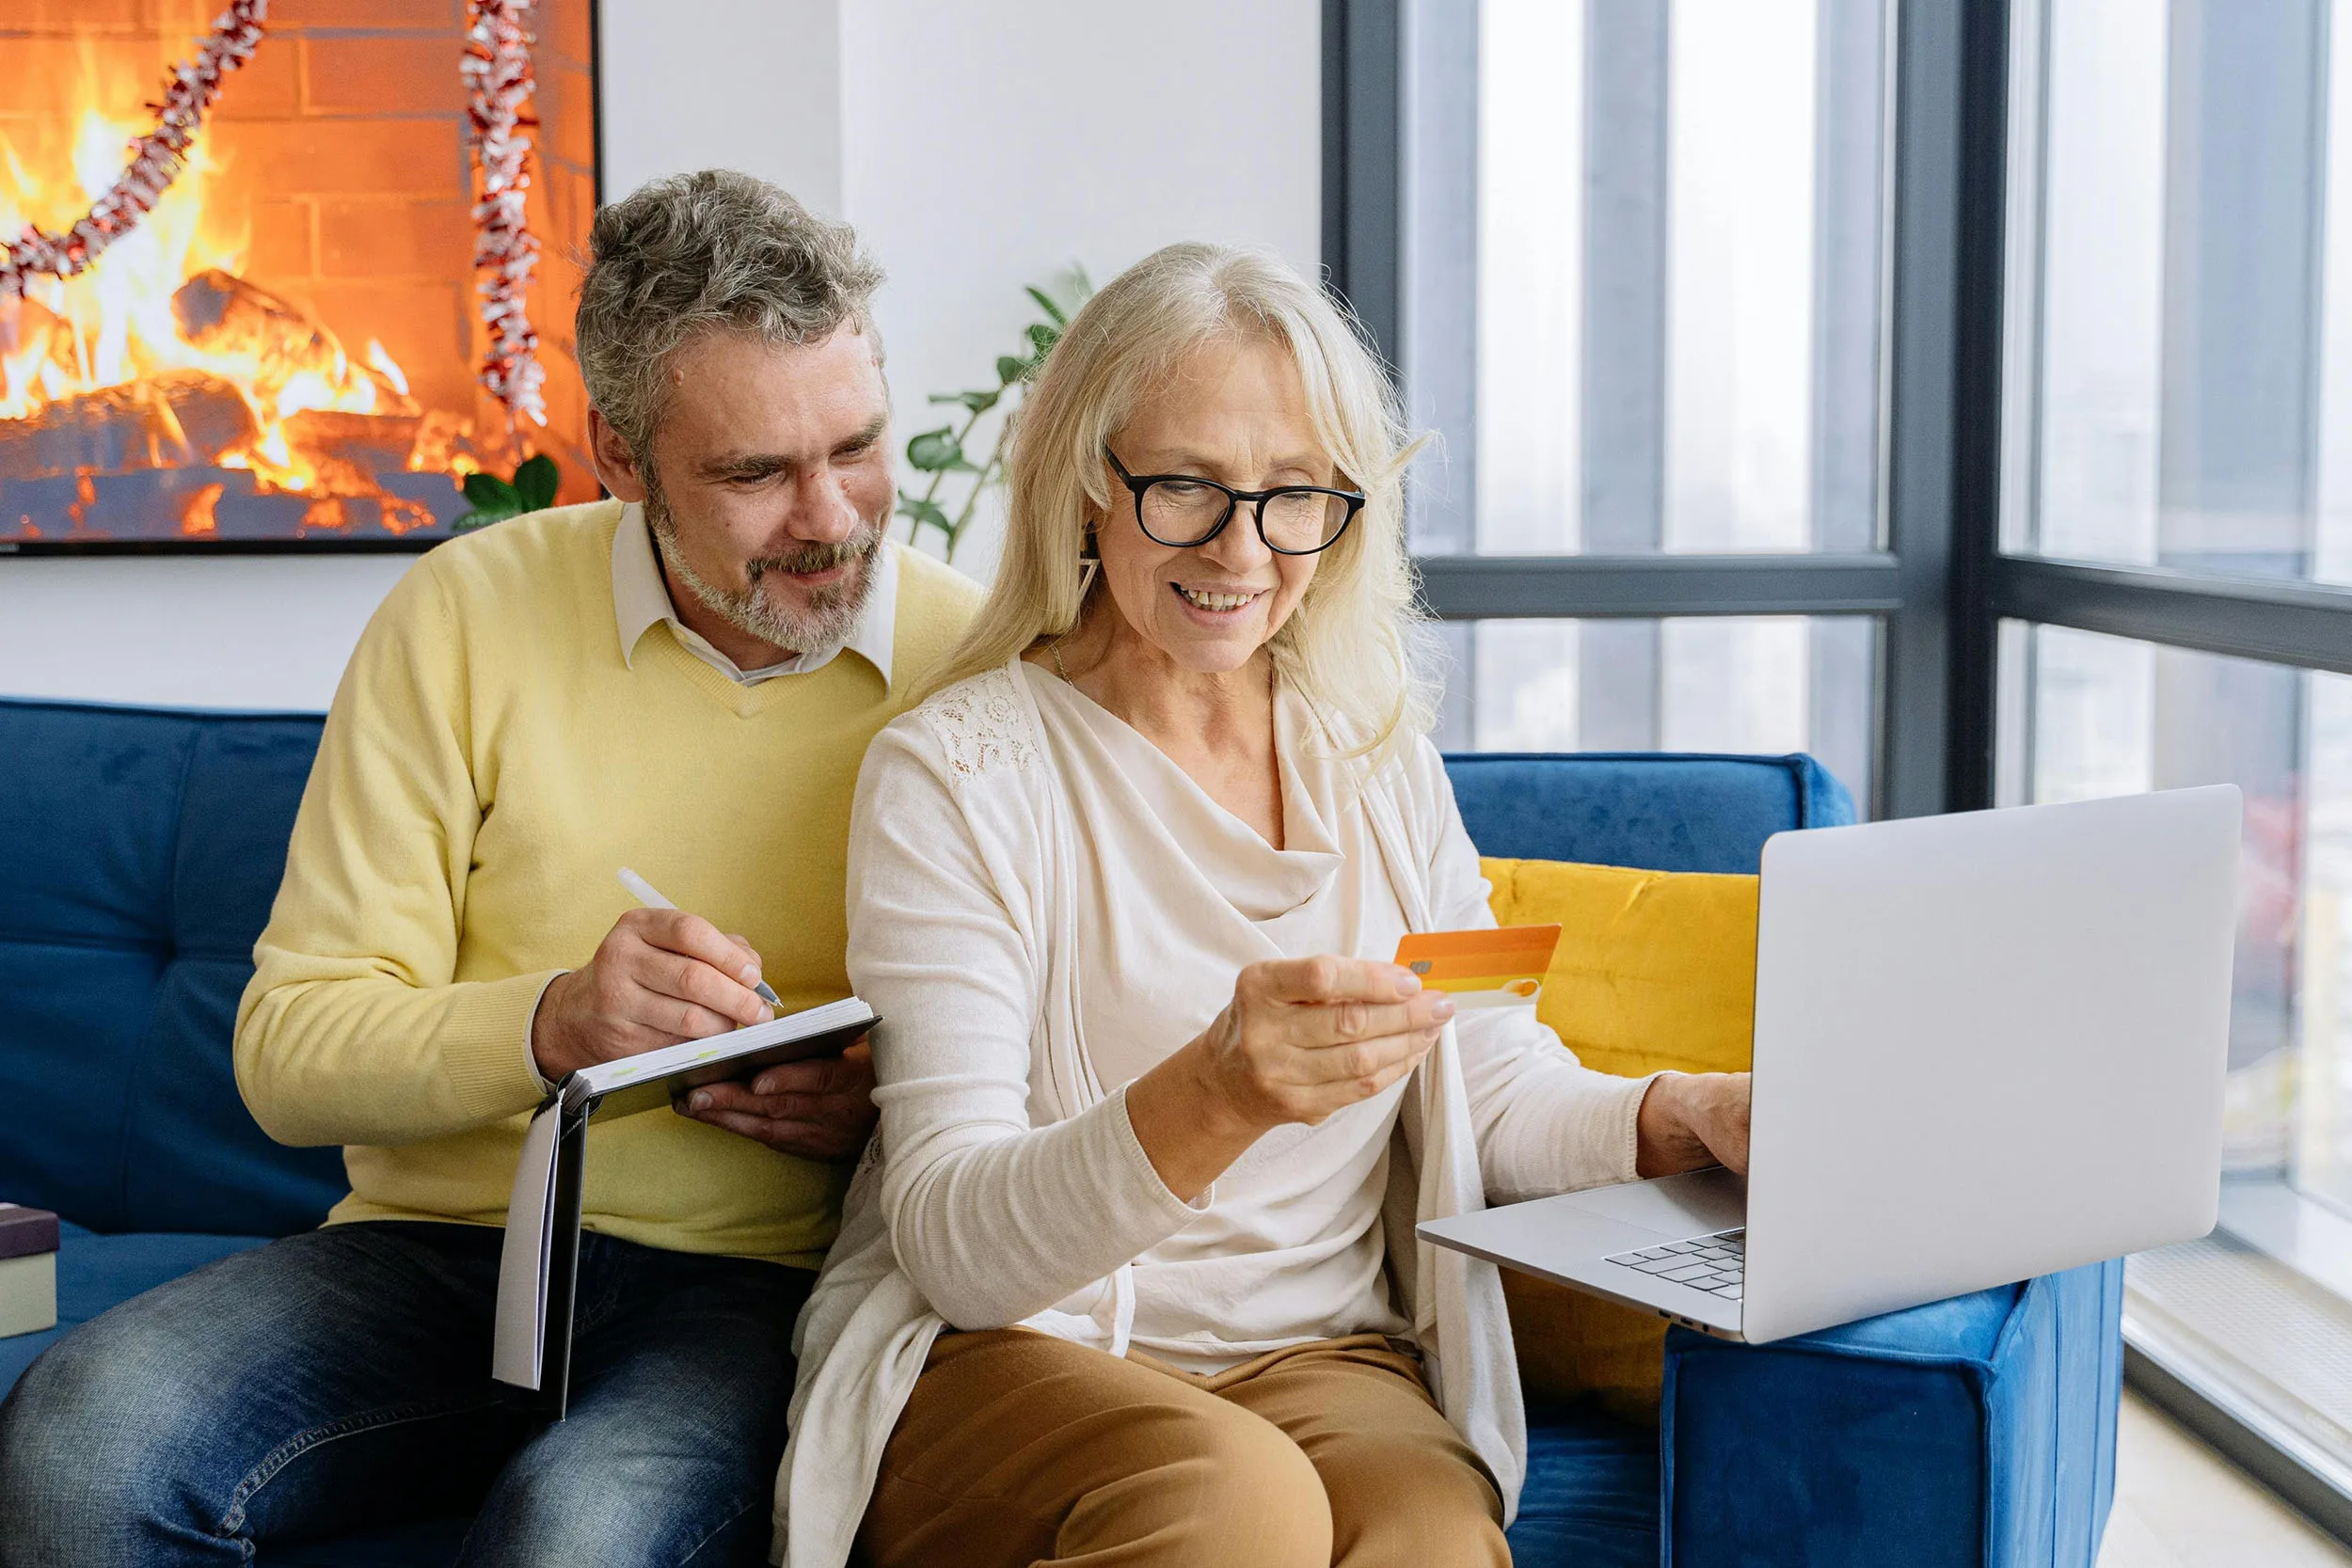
[[977, 148], [754, 85], [988, 147], [256, 631]]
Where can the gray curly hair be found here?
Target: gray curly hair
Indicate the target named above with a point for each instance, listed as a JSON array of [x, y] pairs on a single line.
[[692, 253]]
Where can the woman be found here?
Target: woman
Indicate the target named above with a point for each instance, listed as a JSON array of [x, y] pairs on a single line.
[[1129, 1273]]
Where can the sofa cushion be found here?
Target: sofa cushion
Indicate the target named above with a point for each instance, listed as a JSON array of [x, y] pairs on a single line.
[[1663, 812], [1590, 1495], [1655, 970], [144, 850], [95, 1273]]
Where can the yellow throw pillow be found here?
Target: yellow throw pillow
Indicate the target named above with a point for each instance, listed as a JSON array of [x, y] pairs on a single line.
[[1655, 970]]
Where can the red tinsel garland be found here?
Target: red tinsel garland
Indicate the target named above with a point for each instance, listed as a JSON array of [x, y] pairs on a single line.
[[496, 69], [156, 158]]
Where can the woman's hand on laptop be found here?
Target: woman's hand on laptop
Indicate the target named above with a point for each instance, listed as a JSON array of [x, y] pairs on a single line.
[[1690, 1120]]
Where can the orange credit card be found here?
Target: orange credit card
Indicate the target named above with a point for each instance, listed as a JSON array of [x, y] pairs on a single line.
[[1502, 968]]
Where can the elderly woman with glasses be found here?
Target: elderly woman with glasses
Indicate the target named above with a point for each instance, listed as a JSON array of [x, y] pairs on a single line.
[[1129, 1273]]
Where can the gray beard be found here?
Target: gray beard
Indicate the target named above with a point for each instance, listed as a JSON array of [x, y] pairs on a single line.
[[833, 610]]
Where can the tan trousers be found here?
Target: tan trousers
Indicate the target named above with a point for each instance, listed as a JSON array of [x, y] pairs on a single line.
[[1019, 1449]]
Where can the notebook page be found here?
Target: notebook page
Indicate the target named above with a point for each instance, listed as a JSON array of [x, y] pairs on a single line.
[[519, 1338]]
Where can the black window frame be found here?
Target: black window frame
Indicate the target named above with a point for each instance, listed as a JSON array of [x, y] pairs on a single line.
[[1941, 587]]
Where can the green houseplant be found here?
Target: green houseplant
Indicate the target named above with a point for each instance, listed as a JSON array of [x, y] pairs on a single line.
[[494, 500], [951, 497]]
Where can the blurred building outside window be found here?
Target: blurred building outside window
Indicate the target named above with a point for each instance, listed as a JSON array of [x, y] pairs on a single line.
[[1681, 234]]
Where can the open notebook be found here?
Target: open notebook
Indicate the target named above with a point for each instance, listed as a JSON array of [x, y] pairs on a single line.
[[532, 1345]]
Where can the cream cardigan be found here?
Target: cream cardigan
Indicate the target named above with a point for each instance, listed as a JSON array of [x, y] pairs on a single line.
[[1014, 1177]]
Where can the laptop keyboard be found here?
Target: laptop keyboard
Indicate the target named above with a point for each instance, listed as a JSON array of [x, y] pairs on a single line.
[[1716, 1265]]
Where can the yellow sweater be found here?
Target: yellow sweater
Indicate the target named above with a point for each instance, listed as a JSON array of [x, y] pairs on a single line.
[[489, 765]]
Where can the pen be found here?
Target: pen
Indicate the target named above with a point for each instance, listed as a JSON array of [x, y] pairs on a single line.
[[647, 895]]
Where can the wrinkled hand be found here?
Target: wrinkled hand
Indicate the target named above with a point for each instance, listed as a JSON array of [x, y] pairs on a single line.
[[1304, 1038], [818, 1109], [1688, 1120], [659, 976]]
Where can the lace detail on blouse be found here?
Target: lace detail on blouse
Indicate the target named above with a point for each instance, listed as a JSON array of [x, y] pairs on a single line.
[[981, 725]]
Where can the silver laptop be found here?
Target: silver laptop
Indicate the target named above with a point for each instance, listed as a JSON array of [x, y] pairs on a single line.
[[1988, 1046]]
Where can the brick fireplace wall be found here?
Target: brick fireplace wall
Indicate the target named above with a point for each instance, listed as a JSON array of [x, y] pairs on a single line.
[[347, 128]]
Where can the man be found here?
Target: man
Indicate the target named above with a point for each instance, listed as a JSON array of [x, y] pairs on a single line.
[[681, 681]]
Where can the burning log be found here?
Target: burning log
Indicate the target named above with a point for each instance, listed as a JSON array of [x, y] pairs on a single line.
[[221, 313], [180, 418], [372, 443], [213, 416]]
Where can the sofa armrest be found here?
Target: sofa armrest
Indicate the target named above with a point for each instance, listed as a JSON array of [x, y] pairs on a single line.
[[1970, 1433]]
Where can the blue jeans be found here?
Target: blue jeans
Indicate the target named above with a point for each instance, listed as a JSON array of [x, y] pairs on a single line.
[[339, 1381]]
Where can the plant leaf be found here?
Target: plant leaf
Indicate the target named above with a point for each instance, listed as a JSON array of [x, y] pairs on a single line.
[[980, 403], [1043, 336], [1010, 369], [1045, 302], [925, 511], [936, 450], [535, 483], [490, 493]]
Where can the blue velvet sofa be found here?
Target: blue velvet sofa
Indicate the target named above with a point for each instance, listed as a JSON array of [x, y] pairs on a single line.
[[138, 853]]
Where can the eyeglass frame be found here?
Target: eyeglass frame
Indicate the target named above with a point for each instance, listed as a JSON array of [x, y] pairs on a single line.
[[1138, 483]]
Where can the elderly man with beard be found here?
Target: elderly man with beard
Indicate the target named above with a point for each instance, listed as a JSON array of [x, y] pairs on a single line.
[[682, 680]]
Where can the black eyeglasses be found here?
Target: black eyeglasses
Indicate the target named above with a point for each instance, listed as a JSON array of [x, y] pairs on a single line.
[[1182, 511]]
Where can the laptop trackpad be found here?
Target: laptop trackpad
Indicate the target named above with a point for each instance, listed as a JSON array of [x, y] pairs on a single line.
[[1695, 1203]]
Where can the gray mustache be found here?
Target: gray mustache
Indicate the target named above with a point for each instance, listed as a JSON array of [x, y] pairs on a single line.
[[817, 557]]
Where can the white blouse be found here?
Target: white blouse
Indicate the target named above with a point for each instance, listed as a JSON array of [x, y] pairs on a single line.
[[1175, 894], [1040, 912]]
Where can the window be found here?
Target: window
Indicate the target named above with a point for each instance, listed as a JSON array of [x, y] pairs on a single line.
[[2186, 180], [1768, 684], [2176, 496], [1960, 392], [2179, 411], [1678, 256], [1639, 299]]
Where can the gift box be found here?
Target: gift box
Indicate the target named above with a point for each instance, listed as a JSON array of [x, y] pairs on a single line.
[[28, 1270]]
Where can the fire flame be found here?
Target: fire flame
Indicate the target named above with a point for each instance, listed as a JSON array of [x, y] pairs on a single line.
[[169, 300]]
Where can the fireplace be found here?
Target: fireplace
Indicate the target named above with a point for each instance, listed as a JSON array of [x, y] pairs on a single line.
[[286, 352]]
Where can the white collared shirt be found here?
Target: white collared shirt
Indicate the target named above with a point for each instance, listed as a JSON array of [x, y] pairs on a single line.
[[642, 597]]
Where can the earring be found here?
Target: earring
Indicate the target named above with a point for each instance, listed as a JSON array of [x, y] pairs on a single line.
[[1089, 562]]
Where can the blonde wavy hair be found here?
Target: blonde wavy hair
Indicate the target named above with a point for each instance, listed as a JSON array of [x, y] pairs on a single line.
[[1356, 646]]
